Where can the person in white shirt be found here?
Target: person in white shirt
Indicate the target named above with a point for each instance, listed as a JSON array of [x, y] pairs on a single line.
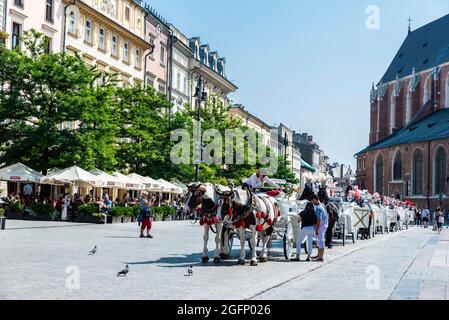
[[258, 180]]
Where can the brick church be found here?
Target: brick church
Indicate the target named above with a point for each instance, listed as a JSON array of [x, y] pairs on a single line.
[[408, 150]]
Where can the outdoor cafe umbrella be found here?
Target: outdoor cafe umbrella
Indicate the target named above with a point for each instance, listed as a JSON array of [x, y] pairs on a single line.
[[72, 175], [19, 173], [108, 180], [128, 182], [169, 187], [149, 183]]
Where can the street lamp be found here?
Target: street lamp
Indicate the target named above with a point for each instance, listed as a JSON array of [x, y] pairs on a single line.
[[200, 96], [285, 154]]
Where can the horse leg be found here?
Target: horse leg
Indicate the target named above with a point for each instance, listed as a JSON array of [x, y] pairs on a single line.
[[206, 240], [254, 245], [225, 250], [242, 246], [264, 254], [219, 227]]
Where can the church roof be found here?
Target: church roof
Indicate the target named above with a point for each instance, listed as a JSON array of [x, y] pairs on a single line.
[[433, 127], [423, 49]]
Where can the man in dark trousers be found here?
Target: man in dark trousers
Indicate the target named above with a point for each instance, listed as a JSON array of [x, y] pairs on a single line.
[[332, 211]]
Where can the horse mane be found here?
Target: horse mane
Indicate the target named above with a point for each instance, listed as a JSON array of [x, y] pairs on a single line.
[[307, 193], [323, 196]]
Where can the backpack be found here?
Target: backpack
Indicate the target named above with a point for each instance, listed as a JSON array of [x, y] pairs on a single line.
[[308, 218]]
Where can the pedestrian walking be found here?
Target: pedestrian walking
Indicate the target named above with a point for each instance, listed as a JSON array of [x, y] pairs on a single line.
[[440, 219], [425, 217], [321, 227], [144, 218], [308, 221]]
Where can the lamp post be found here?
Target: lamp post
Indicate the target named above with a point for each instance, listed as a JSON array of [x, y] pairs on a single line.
[[200, 96], [285, 154]]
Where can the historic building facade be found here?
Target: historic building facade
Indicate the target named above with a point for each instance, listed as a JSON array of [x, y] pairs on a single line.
[[409, 130], [212, 69], [109, 34], [2, 15], [249, 120], [180, 88], [157, 61], [45, 16]]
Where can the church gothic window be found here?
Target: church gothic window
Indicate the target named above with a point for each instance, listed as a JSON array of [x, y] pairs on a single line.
[[440, 171], [418, 173], [397, 167], [379, 174]]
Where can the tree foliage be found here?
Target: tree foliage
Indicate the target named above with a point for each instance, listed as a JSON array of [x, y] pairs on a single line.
[[56, 111]]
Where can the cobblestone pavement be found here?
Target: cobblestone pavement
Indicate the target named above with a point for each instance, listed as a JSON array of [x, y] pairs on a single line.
[[39, 260]]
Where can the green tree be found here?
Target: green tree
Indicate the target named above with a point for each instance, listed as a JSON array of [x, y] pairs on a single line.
[[143, 130], [285, 171], [40, 94]]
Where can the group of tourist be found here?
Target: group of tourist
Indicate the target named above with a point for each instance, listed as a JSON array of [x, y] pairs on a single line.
[[424, 217], [314, 223]]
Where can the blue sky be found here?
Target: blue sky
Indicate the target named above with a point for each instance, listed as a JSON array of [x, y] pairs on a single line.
[[307, 64]]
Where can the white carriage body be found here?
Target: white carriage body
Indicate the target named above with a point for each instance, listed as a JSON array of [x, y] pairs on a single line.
[[355, 217]]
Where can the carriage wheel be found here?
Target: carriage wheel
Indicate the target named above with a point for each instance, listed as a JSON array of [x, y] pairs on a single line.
[[289, 241]]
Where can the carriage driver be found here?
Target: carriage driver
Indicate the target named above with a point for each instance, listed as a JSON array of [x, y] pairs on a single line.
[[258, 180]]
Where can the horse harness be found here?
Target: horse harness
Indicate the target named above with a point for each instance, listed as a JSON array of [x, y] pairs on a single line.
[[208, 216]]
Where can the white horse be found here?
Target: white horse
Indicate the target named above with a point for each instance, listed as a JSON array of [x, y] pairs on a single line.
[[204, 198], [257, 213]]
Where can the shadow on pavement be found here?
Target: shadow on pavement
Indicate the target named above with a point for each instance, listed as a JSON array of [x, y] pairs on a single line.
[[177, 261]]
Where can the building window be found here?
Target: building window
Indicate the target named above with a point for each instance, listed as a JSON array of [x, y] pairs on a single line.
[[379, 176], [162, 54], [101, 42], [126, 52], [152, 45], [88, 34], [418, 173], [16, 33], [127, 14], [185, 86], [397, 167], [178, 81], [49, 11], [72, 23], [161, 88], [18, 3], [48, 45], [114, 46], [138, 61], [440, 171]]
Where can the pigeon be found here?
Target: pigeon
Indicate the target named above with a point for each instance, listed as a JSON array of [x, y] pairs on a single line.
[[124, 272], [93, 251], [190, 271]]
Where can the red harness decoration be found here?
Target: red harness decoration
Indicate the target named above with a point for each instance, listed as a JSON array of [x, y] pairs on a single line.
[[207, 220]]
